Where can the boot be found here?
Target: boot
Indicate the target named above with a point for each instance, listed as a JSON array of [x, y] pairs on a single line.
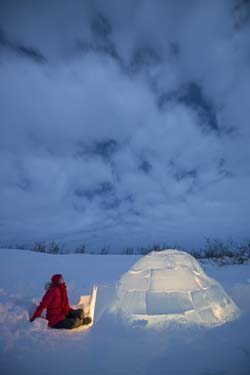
[[86, 320]]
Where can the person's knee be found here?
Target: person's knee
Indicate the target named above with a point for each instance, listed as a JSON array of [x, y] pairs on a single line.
[[76, 314], [80, 313]]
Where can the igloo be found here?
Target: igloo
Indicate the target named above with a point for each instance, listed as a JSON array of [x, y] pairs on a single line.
[[171, 284]]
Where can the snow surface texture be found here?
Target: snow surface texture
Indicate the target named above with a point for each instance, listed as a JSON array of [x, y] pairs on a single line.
[[111, 346], [172, 285]]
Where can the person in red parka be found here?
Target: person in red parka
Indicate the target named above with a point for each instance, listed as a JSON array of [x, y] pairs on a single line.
[[59, 313]]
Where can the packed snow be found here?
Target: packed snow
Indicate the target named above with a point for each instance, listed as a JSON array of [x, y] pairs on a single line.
[[171, 285], [114, 345]]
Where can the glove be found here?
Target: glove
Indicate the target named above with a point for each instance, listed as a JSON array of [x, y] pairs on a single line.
[[32, 319]]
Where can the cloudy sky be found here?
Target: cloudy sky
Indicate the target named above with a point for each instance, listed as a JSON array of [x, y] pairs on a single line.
[[124, 123]]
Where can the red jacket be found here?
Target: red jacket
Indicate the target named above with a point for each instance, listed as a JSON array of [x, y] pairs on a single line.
[[52, 301]]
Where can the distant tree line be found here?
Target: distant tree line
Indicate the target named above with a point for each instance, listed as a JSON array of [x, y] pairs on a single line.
[[217, 250]]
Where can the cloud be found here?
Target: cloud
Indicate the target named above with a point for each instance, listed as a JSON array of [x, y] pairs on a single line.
[[124, 124]]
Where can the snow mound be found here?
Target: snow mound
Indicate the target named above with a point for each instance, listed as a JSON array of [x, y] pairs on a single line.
[[170, 285]]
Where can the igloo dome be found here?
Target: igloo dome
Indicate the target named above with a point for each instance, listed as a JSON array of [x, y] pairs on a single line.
[[172, 285]]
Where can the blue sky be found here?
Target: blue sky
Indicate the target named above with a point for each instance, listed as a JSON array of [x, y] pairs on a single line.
[[124, 123]]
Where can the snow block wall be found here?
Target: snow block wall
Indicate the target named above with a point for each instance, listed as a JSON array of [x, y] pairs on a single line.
[[172, 285]]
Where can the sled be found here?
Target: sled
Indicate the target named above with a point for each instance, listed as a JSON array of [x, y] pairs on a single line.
[[87, 303]]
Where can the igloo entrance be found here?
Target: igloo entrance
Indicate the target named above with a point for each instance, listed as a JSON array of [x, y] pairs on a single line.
[[172, 285]]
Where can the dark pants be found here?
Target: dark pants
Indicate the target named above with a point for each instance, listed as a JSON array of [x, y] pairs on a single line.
[[74, 319]]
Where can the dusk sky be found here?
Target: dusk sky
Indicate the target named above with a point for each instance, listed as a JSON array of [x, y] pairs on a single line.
[[124, 123]]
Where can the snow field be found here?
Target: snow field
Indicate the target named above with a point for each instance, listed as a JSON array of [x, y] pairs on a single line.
[[112, 346]]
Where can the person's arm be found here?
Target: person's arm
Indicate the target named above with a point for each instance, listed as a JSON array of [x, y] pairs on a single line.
[[47, 298]]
